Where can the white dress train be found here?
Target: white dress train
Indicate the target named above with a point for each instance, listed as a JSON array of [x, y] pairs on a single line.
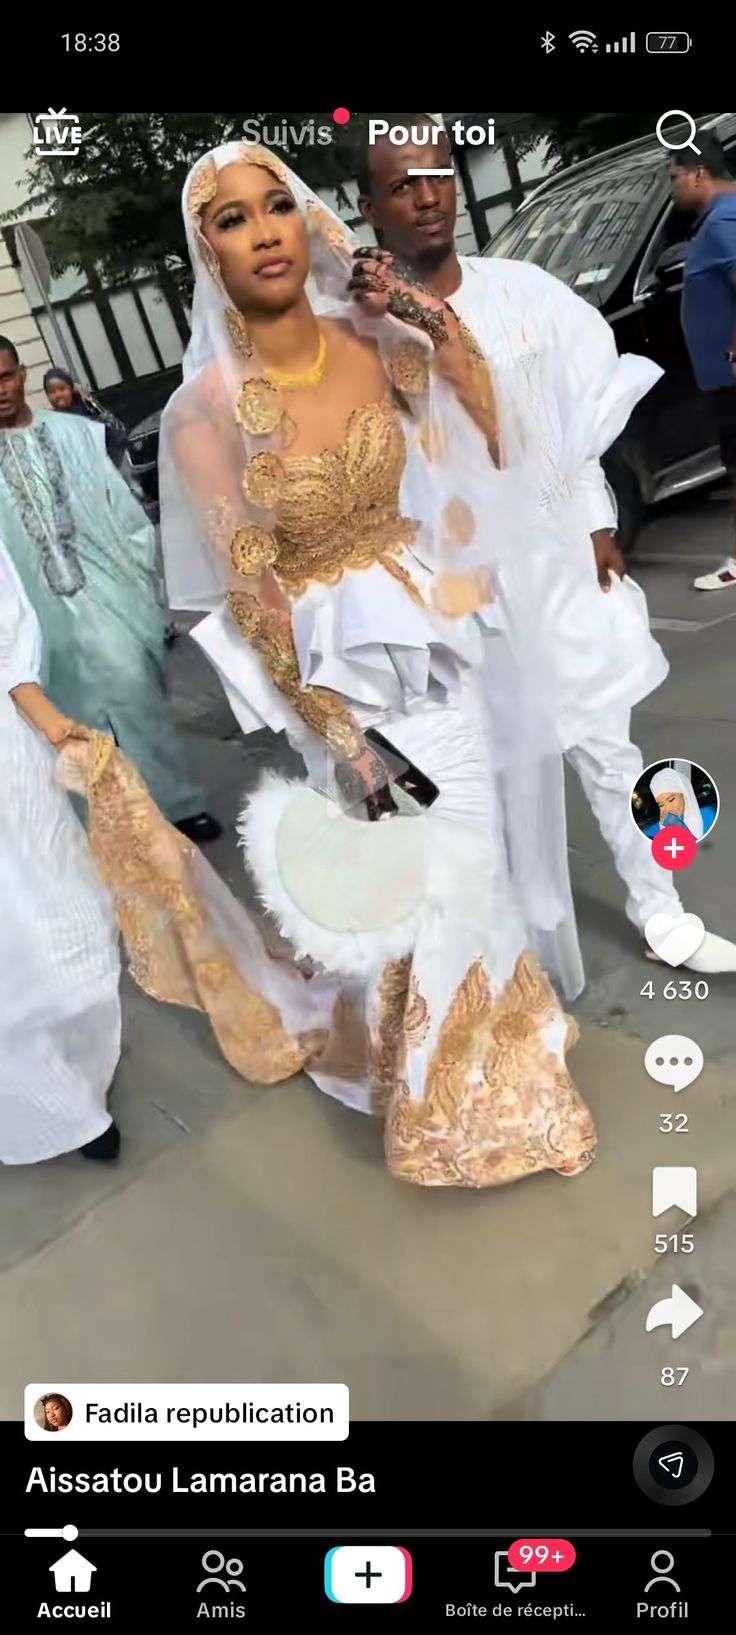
[[59, 963]]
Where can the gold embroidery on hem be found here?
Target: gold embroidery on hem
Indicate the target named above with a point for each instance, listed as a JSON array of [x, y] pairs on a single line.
[[387, 1045], [497, 1104], [173, 948]]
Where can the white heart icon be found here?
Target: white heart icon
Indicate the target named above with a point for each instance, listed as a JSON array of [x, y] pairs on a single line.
[[674, 937]]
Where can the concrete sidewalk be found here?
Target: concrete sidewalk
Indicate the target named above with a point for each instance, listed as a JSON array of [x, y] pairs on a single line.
[[275, 1246], [254, 1234]]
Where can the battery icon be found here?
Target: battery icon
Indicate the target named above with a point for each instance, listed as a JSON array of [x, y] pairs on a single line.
[[672, 44]]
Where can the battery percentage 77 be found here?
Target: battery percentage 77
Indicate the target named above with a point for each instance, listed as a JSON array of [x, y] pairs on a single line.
[[672, 43]]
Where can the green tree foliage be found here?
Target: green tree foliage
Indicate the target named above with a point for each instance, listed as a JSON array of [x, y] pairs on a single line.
[[116, 207], [574, 136]]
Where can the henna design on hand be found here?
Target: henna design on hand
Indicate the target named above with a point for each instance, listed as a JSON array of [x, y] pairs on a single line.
[[430, 319], [366, 784]]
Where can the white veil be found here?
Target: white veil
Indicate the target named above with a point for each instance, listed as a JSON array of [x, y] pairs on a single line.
[[223, 435], [670, 782]]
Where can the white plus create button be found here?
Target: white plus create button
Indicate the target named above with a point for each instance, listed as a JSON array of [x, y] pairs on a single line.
[[361, 1573]]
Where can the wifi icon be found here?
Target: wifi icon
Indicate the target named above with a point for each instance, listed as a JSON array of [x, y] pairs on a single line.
[[583, 40]]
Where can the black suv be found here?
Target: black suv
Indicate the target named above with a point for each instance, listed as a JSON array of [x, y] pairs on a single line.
[[607, 227]]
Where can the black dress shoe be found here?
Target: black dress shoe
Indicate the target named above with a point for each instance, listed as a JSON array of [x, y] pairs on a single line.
[[105, 1147], [200, 828]]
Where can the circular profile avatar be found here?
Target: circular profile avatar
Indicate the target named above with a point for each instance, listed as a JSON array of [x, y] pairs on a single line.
[[674, 795], [53, 1412]]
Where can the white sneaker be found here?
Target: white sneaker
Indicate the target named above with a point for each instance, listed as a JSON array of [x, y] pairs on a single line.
[[714, 956], [720, 578]]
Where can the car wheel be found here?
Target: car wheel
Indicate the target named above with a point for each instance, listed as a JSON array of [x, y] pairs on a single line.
[[630, 506]]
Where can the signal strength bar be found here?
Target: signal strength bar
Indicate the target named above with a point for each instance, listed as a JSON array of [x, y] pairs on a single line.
[[628, 43]]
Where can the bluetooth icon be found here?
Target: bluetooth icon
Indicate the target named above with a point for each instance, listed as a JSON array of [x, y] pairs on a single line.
[[548, 42]]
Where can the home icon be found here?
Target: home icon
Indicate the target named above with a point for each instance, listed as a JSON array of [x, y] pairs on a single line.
[[73, 1572]]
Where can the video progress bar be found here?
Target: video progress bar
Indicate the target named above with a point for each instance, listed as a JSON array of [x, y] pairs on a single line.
[[393, 1532]]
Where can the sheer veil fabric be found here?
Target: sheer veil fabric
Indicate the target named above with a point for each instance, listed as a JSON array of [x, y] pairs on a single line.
[[225, 438]]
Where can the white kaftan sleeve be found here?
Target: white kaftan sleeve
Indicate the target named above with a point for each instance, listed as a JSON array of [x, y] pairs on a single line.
[[20, 636], [594, 498], [596, 392]]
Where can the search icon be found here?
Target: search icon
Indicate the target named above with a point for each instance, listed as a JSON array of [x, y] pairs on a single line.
[[677, 113]]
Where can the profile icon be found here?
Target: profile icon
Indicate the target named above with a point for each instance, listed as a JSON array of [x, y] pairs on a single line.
[[53, 1412], [675, 795]]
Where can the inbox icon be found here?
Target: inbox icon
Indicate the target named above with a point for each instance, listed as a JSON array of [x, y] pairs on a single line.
[[511, 1578], [354, 1573]]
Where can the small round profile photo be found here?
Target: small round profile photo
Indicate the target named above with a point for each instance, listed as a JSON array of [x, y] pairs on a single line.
[[52, 1412], [675, 795]]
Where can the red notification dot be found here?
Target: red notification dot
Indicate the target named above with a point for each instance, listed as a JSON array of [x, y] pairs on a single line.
[[341, 116], [542, 1555], [674, 848]]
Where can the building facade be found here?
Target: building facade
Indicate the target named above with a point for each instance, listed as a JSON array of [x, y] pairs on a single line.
[[127, 344]]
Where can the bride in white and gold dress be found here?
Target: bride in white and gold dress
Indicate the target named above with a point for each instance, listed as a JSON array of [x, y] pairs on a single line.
[[402, 976]]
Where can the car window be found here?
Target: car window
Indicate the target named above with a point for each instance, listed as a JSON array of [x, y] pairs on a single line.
[[584, 230], [673, 233]]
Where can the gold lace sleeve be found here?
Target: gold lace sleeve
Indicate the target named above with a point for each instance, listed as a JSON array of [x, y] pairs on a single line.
[[269, 631]]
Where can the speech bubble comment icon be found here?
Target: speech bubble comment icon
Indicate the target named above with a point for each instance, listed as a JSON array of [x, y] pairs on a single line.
[[675, 1060]]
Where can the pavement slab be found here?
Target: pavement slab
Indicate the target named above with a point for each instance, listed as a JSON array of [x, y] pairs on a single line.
[[254, 1234]]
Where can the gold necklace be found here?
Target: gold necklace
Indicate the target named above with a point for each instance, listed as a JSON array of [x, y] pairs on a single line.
[[311, 376]]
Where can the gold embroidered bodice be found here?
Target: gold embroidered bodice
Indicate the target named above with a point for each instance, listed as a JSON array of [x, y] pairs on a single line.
[[336, 511], [340, 509]]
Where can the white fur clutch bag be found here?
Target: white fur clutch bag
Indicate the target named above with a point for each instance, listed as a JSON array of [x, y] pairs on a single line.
[[345, 893]]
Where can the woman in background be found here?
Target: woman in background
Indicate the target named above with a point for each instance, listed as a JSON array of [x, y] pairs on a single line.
[[67, 397], [678, 805], [59, 964]]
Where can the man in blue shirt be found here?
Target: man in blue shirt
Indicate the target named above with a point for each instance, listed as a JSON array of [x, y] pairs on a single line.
[[702, 182]]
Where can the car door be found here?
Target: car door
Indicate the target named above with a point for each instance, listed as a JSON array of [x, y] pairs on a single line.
[[677, 425]]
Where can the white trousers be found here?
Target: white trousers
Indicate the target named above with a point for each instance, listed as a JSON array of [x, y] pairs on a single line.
[[608, 765]]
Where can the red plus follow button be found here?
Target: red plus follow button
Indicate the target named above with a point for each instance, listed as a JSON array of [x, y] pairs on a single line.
[[542, 1555], [674, 848]]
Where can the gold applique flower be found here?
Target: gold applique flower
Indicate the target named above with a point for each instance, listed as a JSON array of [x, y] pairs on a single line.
[[408, 367], [258, 408], [253, 550], [202, 188], [458, 594], [207, 255], [458, 522], [320, 222], [263, 480], [260, 156], [237, 329]]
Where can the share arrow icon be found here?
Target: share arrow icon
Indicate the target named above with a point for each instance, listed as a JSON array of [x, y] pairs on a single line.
[[674, 1463], [678, 1313]]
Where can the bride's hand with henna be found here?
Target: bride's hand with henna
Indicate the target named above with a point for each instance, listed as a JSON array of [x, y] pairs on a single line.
[[364, 780], [380, 286]]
